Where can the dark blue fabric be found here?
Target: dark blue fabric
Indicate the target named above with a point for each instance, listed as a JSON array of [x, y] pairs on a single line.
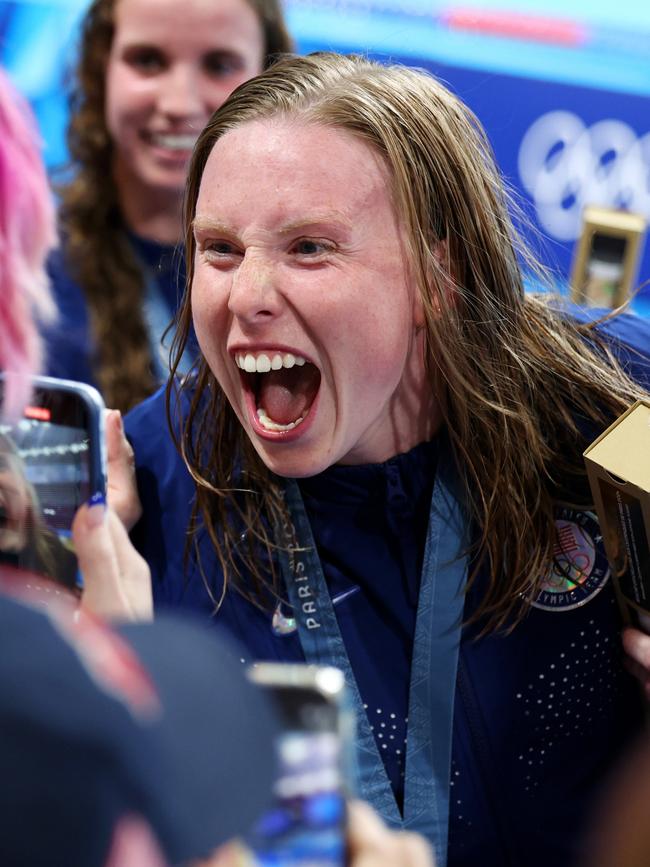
[[628, 335], [374, 584], [69, 345], [541, 713]]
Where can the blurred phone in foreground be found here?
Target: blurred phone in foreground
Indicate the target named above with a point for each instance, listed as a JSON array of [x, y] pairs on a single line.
[[52, 459], [306, 826]]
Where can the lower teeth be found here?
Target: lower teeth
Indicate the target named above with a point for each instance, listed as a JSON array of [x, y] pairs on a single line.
[[268, 423]]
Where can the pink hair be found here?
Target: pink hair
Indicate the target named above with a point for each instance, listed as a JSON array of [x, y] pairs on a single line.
[[27, 233]]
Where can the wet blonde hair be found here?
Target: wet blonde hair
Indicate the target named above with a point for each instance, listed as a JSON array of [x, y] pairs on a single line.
[[510, 374]]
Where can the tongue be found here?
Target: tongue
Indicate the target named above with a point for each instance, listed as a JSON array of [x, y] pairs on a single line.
[[285, 394]]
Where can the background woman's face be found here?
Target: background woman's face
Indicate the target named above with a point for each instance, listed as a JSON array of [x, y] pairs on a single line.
[[170, 66]]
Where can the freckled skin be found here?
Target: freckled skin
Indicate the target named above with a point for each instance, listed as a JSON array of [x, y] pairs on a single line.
[[299, 246]]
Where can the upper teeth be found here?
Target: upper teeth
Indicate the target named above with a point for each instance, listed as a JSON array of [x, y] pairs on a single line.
[[262, 363], [176, 142]]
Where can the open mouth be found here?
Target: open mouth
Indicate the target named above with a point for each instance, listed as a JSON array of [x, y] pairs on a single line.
[[283, 385]]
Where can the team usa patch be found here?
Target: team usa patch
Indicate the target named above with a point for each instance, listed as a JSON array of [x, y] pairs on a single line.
[[580, 569]]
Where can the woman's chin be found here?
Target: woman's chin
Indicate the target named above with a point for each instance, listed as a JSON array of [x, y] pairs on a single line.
[[292, 460]]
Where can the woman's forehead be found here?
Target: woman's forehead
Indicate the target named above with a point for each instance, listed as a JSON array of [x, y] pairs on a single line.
[[299, 163]]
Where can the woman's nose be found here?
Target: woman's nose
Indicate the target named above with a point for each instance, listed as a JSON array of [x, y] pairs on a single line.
[[180, 93], [254, 296]]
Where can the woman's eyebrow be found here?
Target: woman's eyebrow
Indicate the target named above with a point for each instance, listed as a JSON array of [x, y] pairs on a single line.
[[317, 219], [205, 224], [138, 44]]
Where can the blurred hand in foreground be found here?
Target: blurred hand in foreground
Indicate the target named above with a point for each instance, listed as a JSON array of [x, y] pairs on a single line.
[[370, 844], [637, 646]]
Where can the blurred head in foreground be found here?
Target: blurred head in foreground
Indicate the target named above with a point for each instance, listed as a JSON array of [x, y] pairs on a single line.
[[145, 747], [621, 830]]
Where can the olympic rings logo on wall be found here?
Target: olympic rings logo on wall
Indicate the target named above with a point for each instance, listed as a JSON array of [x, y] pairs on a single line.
[[565, 165]]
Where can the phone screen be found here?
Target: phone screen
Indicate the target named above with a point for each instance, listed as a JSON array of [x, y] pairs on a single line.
[[50, 463], [305, 827]]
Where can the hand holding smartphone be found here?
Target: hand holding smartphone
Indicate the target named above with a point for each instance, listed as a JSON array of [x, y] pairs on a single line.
[[52, 459], [306, 826]]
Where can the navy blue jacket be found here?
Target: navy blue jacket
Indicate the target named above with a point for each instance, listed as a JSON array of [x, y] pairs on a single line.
[[541, 714]]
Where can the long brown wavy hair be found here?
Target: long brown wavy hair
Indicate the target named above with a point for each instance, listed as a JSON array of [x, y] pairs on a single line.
[[96, 247], [521, 389]]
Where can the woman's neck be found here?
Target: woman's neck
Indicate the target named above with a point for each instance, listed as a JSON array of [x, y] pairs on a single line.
[[152, 214]]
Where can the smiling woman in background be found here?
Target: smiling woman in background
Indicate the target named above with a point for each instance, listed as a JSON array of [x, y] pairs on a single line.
[[150, 74]]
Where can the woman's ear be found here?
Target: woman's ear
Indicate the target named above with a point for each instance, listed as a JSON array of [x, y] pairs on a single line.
[[419, 319], [441, 276]]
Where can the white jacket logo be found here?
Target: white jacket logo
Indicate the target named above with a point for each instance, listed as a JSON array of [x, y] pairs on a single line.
[[565, 165]]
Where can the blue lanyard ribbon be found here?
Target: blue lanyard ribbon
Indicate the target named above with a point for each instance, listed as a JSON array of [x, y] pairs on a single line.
[[435, 656]]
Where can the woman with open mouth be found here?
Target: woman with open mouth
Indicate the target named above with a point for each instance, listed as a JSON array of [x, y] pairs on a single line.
[[150, 73], [382, 446]]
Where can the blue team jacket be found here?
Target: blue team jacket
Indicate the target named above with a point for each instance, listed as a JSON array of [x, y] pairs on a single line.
[[540, 714]]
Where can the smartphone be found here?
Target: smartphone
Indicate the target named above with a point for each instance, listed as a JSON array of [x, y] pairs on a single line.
[[52, 459], [306, 824]]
